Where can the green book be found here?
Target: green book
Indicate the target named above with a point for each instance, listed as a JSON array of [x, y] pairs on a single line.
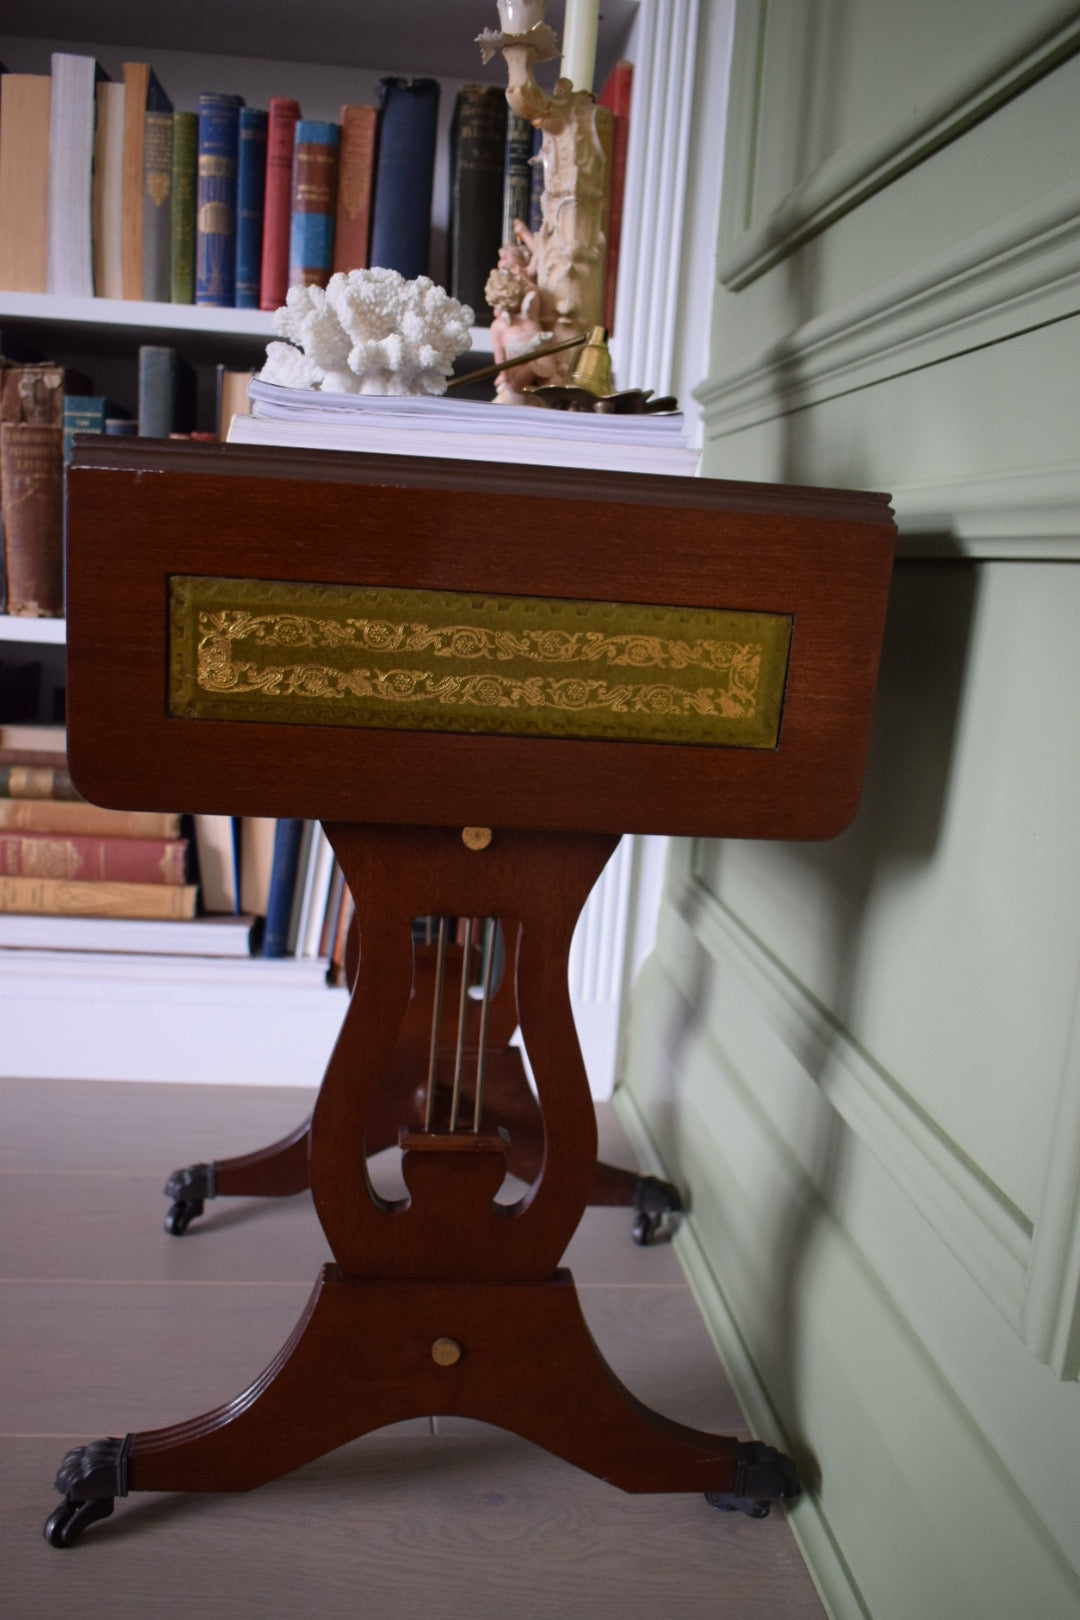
[[184, 147]]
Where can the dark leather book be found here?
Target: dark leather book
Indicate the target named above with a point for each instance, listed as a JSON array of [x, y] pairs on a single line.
[[277, 204], [250, 203], [166, 392], [215, 219], [404, 174], [157, 202], [517, 172], [356, 172], [185, 147], [314, 202], [477, 162], [31, 488], [616, 96]]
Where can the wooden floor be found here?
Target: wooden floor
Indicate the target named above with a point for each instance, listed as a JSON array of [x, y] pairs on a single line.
[[108, 1325]]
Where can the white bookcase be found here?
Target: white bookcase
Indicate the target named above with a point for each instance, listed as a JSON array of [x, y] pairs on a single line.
[[275, 1023]]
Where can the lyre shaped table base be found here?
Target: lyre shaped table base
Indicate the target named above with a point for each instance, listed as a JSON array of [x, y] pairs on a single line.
[[443, 1301], [280, 1170]]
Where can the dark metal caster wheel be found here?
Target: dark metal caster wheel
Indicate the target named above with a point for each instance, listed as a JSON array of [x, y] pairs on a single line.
[[189, 1189], [656, 1203], [89, 1478], [64, 1526], [762, 1476], [180, 1217]]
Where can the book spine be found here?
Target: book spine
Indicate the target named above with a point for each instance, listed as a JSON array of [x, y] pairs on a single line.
[[185, 145], [62, 817], [36, 782], [31, 488], [25, 104], [157, 391], [477, 146], [287, 838], [109, 860], [517, 173], [215, 224], [404, 173], [314, 203], [70, 266], [108, 194], [83, 413], [352, 228], [157, 206], [136, 81], [250, 202], [277, 203], [63, 897]]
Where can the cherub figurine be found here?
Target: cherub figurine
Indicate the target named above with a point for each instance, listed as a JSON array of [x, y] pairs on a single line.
[[522, 319]]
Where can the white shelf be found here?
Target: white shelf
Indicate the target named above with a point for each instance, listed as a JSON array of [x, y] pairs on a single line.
[[134, 318], [53, 631]]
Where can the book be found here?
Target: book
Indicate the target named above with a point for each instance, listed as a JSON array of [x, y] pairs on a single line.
[[356, 173], [616, 97], [466, 430], [517, 173], [185, 144], [62, 816], [477, 164], [215, 218], [121, 427], [31, 488], [198, 936], [302, 886], [25, 107], [35, 778], [83, 413], [404, 175], [232, 398], [287, 836], [64, 897], [277, 202], [111, 860], [157, 202], [335, 969], [314, 202], [34, 738], [107, 202], [219, 876], [316, 895], [166, 392], [143, 93], [250, 203], [256, 863], [73, 107]]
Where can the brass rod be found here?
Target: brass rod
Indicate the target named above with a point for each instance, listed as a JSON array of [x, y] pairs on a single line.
[[463, 1007], [519, 360], [436, 1011], [490, 925]]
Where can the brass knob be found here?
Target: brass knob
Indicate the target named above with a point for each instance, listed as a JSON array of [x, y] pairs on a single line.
[[476, 837], [446, 1352]]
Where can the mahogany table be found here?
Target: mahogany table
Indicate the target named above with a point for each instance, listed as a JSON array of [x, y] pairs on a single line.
[[477, 678]]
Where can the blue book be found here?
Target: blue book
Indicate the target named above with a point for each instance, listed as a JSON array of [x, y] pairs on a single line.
[[215, 207], [517, 174], [314, 202], [287, 836], [83, 413], [404, 173], [250, 196]]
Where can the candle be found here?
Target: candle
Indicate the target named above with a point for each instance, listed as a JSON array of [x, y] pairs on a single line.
[[579, 42]]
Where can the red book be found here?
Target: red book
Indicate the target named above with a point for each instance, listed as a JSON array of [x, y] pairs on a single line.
[[281, 132], [108, 860], [356, 166], [616, 97]]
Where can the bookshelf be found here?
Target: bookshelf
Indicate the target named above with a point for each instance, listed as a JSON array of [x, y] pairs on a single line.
[[276, 1029]]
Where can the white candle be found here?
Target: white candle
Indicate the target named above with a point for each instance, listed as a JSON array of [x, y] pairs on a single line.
[[579, 42]]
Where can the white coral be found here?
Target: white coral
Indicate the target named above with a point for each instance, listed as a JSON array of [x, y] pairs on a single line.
[[371, 332]]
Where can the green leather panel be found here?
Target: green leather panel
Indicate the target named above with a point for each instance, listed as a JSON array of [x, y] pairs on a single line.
[[413, 660]]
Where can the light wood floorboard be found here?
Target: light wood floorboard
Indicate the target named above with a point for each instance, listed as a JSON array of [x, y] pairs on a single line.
[[108, 1324]]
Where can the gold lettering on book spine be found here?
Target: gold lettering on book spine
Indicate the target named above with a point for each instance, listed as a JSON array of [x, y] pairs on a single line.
[[491, 665]]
